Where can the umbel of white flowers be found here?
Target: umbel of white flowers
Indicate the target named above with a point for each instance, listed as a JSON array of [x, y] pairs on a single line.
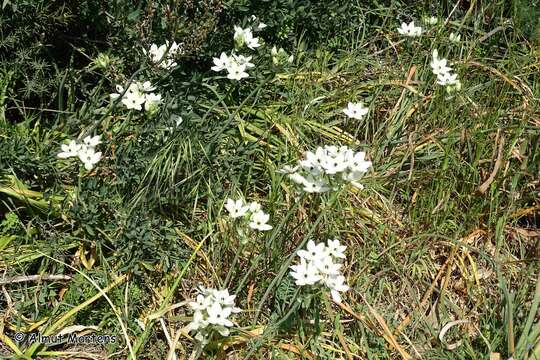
[[212, 309], [320, 264], [163, 55], [137, 95], [236, 65], [445, 76], [410, 29], [245, 37], [85, 151], [328, 168], [258, 219]]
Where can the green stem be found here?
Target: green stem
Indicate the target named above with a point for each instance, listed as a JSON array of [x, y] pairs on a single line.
[[235, 260], [288, 262], [272, 237], [275, 326]]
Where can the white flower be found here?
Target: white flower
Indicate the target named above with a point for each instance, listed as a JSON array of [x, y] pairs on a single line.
[[201, 303], [305, 273], [358, 162], [137, 94], [235, 65], [118, 93], [259, 221], [312, 163], [69, 150], [92, 141], [327, 168], [314, 160], [410, 29], [297, 178], [455, 38], [155, 52], [287, 169], [239, 35], [163, 55], [439, 66], [133, 100], [334, 163], [315, 185], [146, 86], [211, 312], [221, 63], [447, 79], [318, 265], [236, 208], [255, 207], [152, 101], [236, 71], [198, 322], [252, 42], [243, 61], [223, 297], [245, 36], [314, 251], [217, 315], [89, 157], [335, 248], [336, 284], [176, 48], [327, 266], [356, 110]]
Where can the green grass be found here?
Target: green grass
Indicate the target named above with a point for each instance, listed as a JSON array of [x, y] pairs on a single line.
[[425, 246]]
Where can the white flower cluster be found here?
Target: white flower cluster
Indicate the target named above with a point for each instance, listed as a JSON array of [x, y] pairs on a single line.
[[137, 94], [444, 74], [236, 65], [320, 263], [328, 167], [212, 309], [245, 37], [85, 151], [410, 29], [159, 54], [258, 219]]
